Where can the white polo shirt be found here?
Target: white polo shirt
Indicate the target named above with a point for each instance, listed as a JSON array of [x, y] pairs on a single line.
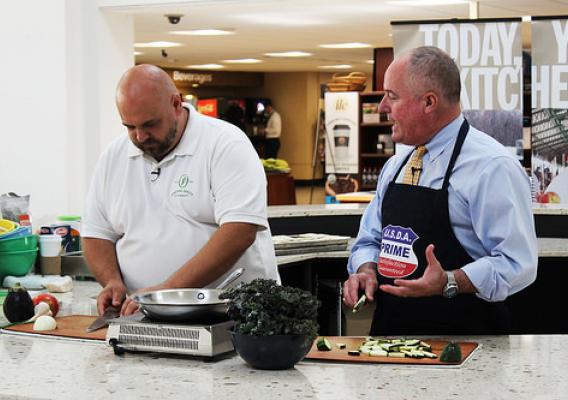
[[158, 223]]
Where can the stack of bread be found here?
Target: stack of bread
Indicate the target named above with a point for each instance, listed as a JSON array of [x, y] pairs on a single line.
[[352, 82]]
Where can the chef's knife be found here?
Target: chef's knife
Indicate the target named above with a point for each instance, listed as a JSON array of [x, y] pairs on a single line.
[[111, 312]]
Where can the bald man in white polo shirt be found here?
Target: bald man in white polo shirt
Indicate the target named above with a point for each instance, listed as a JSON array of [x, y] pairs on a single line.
[[178, 202]]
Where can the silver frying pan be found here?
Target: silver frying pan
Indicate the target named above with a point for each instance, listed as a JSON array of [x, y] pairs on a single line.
[[195, 305]]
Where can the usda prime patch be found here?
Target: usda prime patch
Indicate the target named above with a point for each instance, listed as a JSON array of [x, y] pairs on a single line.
[[397, 258]]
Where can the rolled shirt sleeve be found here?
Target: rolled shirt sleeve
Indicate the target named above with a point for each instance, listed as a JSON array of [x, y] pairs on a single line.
[[501, 215]]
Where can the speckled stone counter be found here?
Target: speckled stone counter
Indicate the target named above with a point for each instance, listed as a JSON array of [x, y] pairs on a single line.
[[309, 210], [506, 367], [343, 219]]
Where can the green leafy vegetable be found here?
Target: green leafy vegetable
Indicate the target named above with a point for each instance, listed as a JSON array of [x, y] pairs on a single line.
[[264, 308]]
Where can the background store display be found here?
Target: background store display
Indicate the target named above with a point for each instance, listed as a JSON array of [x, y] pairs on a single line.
[[489, 56], [550, 110]]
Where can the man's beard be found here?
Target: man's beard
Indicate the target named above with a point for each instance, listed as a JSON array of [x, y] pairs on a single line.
[[157, 149]]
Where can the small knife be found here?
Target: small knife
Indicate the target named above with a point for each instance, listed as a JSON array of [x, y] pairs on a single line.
[[111, 312], [359, 303]]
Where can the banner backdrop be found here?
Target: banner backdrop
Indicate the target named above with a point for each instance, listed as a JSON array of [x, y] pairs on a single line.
[[549, 77], [489, 55], [342, 127]]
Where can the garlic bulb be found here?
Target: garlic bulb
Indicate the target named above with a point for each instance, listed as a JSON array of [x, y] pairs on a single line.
[[45, 323]]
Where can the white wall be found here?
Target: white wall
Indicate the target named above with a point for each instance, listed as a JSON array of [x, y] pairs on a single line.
[[60, 66]]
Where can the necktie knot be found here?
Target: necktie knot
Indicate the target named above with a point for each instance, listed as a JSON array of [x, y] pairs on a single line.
[[414, 167]]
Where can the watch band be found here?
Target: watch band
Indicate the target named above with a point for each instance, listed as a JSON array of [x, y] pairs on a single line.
[[451, 278], [451, 288]]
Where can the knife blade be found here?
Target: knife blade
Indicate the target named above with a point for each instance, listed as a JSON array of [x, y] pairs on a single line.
[[111, 312], [360, 303]]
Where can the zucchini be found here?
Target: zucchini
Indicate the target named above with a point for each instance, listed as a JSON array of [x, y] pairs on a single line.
[[401, 347], [323, 344], [354, 352], [378, 353], [340, 345]]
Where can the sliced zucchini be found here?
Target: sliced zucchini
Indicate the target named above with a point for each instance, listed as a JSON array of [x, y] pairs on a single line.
[[354, 353], [378, 353], [340, 345], [323, 344]]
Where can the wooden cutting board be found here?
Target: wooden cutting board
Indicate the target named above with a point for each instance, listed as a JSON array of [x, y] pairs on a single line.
[[72, 326], [353, 343]]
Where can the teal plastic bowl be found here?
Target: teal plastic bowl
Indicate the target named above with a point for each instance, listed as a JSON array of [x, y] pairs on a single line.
[[23, 243], [16, 263]]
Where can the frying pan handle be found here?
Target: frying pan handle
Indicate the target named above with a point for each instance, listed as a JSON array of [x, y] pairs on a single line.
[[234, 275]]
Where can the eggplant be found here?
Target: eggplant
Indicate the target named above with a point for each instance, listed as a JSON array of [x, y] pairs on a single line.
[[18, 304]]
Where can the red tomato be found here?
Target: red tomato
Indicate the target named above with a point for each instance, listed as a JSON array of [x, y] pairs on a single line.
[[50, 300]]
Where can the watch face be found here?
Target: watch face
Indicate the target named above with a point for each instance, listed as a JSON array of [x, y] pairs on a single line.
[[450, 291]]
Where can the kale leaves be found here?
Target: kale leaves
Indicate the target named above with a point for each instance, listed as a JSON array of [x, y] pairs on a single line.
[[264, 308]]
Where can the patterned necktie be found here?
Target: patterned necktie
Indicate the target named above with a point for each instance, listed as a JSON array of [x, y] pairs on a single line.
[[414, 167]]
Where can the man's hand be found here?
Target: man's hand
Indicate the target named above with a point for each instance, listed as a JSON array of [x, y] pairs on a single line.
[[130, 306], [430, 284], [112, 294], [365, 279]]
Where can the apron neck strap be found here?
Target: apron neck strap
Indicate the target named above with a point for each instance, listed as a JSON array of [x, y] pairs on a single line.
[[457, 148]]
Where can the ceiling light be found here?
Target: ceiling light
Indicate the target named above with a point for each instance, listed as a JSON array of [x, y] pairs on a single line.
[[289, 54], [204, 32], [138, 53], [418, 3], [354, 45], [158, 44], [243, 61], [206, 66], [370, 61], [340, 66]]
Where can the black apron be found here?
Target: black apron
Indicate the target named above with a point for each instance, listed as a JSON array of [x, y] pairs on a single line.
[[412, 218]]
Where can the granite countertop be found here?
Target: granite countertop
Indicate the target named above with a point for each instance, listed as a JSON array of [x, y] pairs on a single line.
[[505, 367], [359, 208]]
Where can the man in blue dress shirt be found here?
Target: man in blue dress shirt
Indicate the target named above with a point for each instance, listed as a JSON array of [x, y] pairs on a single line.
[[450, 234]]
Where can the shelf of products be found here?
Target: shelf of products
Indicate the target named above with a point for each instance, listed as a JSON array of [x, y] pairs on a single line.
[[375, 142]]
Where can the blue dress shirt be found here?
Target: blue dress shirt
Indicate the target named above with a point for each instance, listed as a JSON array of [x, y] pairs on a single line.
[[490, 211]]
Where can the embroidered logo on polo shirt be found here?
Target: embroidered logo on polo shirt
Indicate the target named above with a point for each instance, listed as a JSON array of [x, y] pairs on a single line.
[[397, 258], [182, 183]]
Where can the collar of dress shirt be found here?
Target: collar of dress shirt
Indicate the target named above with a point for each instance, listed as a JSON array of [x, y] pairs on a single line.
[[445, 138]]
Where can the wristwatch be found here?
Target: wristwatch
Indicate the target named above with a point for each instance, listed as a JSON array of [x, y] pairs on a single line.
[[451, 289]]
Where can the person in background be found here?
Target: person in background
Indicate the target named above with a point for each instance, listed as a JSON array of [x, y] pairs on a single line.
[[450, 234], [272, 132], [167, 206]]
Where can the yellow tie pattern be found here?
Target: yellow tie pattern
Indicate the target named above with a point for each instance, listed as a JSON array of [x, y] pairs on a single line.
[[414, 167]]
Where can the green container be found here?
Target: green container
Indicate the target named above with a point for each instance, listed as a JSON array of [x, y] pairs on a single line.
[[16, 263], [22, 243]]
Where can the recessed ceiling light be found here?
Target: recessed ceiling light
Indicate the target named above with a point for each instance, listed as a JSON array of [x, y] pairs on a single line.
[[289, 54], [340, 66], [204, 32], [354, 45], [138, 53], [158, 44], [418, 3], [206, 66], [243, 61], [370, 61]]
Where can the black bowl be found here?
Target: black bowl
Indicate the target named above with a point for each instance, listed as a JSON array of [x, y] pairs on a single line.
[[271, 352]]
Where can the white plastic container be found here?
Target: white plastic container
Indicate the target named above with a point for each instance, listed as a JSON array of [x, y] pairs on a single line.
[[50, 245]]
